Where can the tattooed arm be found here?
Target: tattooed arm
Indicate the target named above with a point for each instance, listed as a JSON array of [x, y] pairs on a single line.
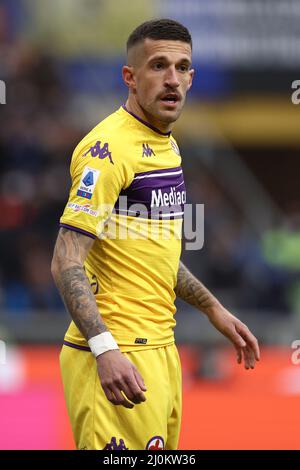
[[70, 252], [190, 289], [115, 371]]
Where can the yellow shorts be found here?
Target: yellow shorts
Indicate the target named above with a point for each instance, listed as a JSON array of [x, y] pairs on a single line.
[[98, 424]]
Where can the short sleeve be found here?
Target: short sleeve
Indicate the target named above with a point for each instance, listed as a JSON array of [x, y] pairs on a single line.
[[98, 173]]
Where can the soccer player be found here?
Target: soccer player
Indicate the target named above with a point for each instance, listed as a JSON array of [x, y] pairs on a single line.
[[117, 266]]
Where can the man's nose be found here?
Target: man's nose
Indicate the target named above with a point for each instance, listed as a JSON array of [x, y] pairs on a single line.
[[171, 78]]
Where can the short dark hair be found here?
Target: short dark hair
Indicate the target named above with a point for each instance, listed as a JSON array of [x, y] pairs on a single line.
[[159, 29]]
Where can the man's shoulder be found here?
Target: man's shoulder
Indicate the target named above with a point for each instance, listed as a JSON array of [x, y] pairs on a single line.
[[110, 131], [109, 128], [110, 139]]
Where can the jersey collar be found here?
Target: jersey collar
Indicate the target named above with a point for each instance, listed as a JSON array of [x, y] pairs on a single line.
[[167, 134]]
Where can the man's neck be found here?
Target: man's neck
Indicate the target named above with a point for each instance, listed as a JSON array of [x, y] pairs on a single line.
[[133, 107]]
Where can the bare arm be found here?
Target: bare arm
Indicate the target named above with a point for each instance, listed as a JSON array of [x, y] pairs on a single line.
[[190, 289], [116, 373], [71, 249]]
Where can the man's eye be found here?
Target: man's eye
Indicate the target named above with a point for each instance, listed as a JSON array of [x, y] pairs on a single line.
[[158, 66], [183, 68]]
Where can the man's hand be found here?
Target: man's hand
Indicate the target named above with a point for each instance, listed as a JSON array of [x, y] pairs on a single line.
[[120, 379], [238, 333]]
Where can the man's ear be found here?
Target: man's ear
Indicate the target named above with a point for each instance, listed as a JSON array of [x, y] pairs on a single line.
[[192, 73], [129, 76]]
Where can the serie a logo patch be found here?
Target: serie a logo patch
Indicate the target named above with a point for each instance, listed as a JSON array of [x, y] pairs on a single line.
[[88, 182]]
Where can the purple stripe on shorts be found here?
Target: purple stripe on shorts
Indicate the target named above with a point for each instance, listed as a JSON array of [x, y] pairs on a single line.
[[76, 346], [79, 230], [167, 134]]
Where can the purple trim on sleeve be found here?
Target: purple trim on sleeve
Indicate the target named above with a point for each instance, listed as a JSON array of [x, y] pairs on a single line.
[[76, 346], [79, 230], [167, 134]]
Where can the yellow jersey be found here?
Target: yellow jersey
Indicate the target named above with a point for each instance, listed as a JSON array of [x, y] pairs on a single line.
[[128, 194]]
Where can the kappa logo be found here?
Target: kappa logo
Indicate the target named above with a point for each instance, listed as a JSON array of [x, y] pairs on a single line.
[[147, 151], [112, 445], [98, 151], [156, 443]]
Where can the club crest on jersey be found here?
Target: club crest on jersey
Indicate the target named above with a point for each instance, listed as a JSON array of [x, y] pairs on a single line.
[[88, 182], [112, 445], [156, 443], [147, 151], [99, 151]]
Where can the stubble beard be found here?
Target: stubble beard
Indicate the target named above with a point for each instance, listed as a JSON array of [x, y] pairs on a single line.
[[165, 117]]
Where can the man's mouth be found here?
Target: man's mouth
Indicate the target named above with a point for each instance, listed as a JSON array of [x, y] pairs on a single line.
[[170, 98]]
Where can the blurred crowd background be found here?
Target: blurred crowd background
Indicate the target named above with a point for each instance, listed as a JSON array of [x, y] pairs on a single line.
[[63, 75], [239, 136]]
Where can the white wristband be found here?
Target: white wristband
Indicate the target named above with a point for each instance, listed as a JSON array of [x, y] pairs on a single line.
[[101, 343]]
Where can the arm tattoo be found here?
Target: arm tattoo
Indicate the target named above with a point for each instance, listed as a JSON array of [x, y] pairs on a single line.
[[74, 285], [65, 250], [190, 289]]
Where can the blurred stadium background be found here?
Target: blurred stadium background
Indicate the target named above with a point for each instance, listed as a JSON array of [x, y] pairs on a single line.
[[240, 138]]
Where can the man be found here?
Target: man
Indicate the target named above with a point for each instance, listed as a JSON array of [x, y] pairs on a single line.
[[120, 290]]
